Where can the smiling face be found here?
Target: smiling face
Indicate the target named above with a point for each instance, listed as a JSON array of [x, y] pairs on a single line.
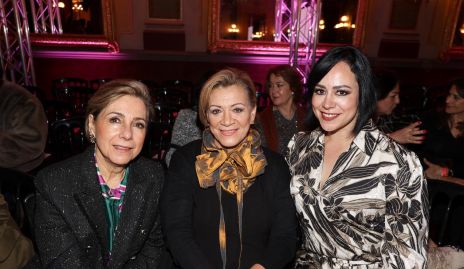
[[454, 102], [119, 131], [279, 90], [230, 115], [389, 103], [335, 100]]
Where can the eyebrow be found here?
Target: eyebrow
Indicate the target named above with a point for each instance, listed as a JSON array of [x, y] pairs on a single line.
[[122, 115], [231, 105], [335, 87]]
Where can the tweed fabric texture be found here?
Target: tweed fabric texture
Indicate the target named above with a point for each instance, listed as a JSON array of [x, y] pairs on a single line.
[[70, 223]]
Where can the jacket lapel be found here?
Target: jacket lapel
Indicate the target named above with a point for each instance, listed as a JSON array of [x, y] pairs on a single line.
[[90, 200], [132, 211]]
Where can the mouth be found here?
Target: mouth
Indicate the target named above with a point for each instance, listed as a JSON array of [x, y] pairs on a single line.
[[228, 132], [328, 116], [122, 148]]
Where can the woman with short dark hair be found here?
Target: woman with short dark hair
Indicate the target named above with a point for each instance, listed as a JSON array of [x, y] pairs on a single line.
[[360, 197]]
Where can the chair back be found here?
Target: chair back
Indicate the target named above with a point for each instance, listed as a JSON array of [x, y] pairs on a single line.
[[77, 97], [95, 84], [68, 82], [446, 211], [178, 92], [157, 141], [262, 101], [67, 137], [173, 98]]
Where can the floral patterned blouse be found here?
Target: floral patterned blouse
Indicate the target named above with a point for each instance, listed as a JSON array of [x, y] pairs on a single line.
[[372, 210]]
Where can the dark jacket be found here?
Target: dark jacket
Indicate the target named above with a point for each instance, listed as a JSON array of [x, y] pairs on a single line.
[[440, 146], [190, 216], [70, 221]]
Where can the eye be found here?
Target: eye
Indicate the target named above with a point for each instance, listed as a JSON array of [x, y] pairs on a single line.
[[238, 109], [214, 111], [319, 91], [114, 120], [280, 85], [342, 92], [140, 125]]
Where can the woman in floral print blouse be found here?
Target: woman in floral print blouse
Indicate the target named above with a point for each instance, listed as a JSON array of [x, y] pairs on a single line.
[[361, 198]]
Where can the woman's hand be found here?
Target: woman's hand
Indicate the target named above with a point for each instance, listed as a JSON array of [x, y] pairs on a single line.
[[257, 266], [411, 134], [433, 170]]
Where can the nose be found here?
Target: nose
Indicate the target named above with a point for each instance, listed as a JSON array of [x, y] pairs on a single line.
[[227, 118], [448, 99], [328, 101], [126, 131], [397, 100], [273, 87]]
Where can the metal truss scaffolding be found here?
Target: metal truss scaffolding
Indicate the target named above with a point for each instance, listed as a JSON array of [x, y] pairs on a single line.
[[297, 22], [46, 17], [15, 48]]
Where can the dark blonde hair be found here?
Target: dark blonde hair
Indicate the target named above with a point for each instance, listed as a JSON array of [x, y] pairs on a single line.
[[224, 78], [113, 90]]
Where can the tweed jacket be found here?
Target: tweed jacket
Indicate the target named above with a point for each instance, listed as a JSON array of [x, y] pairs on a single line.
[[70, 221]]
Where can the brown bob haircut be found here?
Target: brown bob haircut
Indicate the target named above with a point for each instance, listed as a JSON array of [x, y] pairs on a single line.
[[113, 90], [224, 78]]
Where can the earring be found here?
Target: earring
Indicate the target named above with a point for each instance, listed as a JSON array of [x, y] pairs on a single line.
[[92, 138]]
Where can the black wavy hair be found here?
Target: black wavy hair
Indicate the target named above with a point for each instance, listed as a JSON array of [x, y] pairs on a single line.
[[360, 67]]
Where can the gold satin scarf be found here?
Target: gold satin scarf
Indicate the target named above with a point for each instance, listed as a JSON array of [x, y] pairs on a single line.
[[233, 171]]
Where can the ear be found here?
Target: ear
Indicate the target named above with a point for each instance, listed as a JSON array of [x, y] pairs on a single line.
[[91, 124], [253, 115]]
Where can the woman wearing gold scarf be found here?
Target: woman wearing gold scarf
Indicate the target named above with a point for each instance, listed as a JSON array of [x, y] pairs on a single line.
[[226, 202]]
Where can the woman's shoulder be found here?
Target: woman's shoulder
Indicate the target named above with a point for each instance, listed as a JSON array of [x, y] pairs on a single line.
[[149, 166], [191, 148], [303, 139], [273, 158], [64, 174], [68, 165], [394, 151], [188, 151], [187, 113]]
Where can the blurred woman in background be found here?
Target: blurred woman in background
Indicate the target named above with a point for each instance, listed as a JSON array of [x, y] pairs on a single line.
[[443, 150], [388, 97], [279, 122]]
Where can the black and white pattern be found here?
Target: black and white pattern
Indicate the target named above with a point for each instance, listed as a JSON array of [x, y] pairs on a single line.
[[372, 210]]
